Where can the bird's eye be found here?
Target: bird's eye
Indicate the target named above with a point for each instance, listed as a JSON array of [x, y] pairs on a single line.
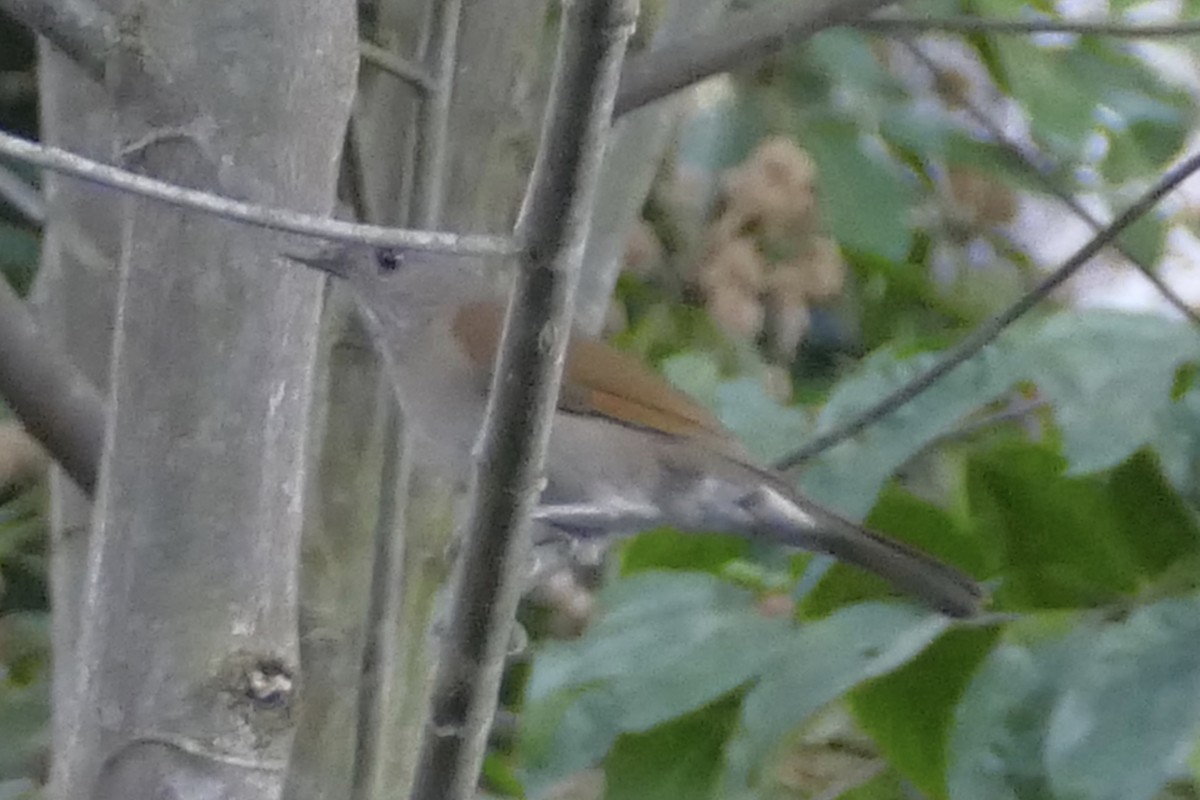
[[388, 260]]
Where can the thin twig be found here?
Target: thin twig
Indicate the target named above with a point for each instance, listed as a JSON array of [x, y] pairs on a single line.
[[55, 402], [82, 30], [414, 75], [433, 117], [988, 331], [383, 648], [1018, 409], [93, 38], [271, 217], [1035, 165], [380, 631], [524, 390], [743, 39], [888, 25]]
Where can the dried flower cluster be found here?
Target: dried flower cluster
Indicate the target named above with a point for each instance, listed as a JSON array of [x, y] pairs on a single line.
[[766, 260]]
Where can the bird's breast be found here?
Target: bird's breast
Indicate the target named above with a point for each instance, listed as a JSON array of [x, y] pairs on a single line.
[[442, 392]]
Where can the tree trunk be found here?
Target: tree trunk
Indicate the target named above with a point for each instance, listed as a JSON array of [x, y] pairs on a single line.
[[188, 617]]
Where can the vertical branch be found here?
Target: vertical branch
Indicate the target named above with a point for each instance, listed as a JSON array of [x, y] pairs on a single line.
[[381, 630], [84, 31], [382, 647], [34, 374], [433, 118], [386, 635], [524, 393]]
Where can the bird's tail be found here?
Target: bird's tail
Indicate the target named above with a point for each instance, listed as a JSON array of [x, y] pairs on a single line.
[[784, 516]]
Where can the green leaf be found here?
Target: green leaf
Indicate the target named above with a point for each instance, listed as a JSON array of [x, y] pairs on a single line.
[[667, 644], [850, 476], [1109, 376], [721, 135], [498, 776], [1194, 762], [995, 750], [767, 428], [982, 44], [852, 179], [990, 158], [884, 786], [909, 713], [1129, 713], [1061, 87], [1054, 90], [812, 666], [695, 373], [1102, 710], [24, 699], [669, 549], [848, 58], [1062, 545], [1146, 119], [678, 759], [671, 643], [1077, 541], [1159, 527], [1146, 238], [1145, 145], [1177, 442]]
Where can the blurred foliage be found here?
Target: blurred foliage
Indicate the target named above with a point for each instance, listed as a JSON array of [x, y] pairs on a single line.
[[18, 114], [24, 641], [1060, 465], [24, 597]]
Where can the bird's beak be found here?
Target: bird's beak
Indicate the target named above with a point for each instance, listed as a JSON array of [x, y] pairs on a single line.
[[329, 258]]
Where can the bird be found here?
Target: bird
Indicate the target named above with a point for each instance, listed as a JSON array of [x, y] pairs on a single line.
[[628, 452]]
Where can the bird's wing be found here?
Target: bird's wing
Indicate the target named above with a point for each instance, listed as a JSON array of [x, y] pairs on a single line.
[[602, 381]]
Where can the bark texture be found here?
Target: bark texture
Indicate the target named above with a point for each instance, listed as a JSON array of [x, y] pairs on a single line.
[[188, 623]]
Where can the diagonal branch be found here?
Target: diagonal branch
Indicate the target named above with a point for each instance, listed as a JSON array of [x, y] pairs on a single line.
[[402, 69], [743, 39], [82, 30], [515, 435], [988, 332], [1034, 165], [55, 402], [271, 217], [433, 116]]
